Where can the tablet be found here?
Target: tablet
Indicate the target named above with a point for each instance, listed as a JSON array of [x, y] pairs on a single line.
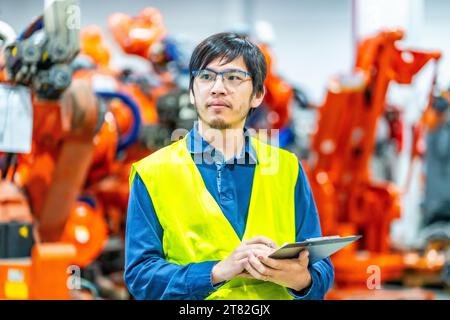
[[319, 248]]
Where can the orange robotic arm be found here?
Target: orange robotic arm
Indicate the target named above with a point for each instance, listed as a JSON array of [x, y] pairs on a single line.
[[349, 201], [136, 35]]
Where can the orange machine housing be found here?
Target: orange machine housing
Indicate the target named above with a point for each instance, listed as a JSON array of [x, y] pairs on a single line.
[[74, 153], [136, 35], [53, 175], [279, 94]]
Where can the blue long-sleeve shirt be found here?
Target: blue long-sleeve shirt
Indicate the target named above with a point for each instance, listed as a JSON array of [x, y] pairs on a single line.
[[149, 276]]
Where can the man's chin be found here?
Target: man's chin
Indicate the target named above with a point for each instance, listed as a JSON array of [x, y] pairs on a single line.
[[219, 124]]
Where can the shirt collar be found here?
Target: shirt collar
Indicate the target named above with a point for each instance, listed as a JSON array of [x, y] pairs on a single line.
[[197, 145]]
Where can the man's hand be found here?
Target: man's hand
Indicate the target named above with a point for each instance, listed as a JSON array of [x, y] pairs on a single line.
[[235, 263], [290, 273]]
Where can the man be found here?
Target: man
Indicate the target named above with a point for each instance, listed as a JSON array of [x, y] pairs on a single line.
[[205, 212]]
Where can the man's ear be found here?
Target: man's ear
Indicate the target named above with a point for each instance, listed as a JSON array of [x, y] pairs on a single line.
[[191, 96], [257, 99]]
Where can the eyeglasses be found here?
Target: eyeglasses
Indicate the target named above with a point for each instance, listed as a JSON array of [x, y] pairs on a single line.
[[230, 78]]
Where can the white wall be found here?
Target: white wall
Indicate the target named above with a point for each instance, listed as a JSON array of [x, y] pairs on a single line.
[[372, 15], [313, 40]]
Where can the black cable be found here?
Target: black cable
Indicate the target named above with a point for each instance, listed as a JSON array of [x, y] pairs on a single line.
[[7, 164]]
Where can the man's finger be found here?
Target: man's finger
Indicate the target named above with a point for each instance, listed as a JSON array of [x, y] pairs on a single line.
[[245, 274], [260, 248], [253, 246], [272, 263], [262, 240], [258, 266], [255, 274], [242, 262], [303, 257], [265, 253]]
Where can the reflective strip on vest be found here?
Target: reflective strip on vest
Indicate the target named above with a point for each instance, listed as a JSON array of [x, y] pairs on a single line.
[[195, 228]]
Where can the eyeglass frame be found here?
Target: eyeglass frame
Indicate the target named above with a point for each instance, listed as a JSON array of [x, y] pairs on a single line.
[[196, 72]]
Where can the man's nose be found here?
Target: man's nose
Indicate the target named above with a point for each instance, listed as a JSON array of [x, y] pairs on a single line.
[[218, 86]]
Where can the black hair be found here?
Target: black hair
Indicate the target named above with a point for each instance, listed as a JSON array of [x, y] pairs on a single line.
[[230, 46]]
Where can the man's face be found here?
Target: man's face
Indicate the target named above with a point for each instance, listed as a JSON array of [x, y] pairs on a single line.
[[222, 106]]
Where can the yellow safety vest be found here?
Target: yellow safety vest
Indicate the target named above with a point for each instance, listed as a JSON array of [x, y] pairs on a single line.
[[195, 228]]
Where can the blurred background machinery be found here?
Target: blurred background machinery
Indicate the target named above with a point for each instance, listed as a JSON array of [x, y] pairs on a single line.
[[67, 195], [349, 200]]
